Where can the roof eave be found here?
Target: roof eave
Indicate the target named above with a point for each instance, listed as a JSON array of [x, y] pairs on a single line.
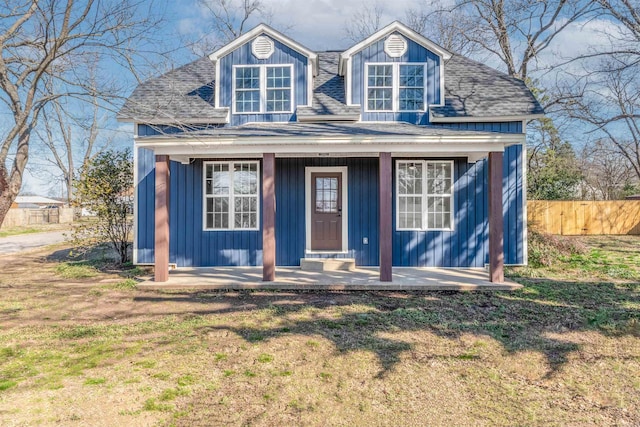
[[235, 140], [310, 146], [475, 119], [320, 118], [174, 121]]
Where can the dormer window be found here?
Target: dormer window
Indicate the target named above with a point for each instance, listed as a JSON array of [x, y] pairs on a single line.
[[262, 89], [395, 87]]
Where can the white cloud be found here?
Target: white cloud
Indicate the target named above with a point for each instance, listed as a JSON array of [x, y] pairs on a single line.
[[317, 24], [322, 24]]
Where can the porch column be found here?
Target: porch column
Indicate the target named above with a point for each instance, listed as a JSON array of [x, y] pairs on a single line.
[[496, 219], [385, 218], [161, 248], [268, 217]]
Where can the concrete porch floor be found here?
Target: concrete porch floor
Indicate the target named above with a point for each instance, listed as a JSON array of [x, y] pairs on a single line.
[[362, 279]]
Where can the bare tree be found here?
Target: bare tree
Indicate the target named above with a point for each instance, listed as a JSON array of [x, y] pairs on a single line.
[[71, 140], [445, 28], [514, 31], [366, 21], [608, 101], [628, 15], [606, 174], [605, 96], [229, 20], [45, 44]]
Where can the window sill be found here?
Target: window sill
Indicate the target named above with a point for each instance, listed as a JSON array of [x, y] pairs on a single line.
[[235, 113], [230, 229], [312, 252], [425, 229], [395, 111]]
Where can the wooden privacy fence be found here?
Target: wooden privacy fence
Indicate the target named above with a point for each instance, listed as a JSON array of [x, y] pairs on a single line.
[[584, 217]]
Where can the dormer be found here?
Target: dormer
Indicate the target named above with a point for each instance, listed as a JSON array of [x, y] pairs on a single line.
[[263, 76], [395, 74]]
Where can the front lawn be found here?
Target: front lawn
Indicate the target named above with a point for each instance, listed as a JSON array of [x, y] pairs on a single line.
[[81, 346]]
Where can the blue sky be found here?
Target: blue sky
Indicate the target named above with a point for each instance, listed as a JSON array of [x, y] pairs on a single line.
[[317, 24]]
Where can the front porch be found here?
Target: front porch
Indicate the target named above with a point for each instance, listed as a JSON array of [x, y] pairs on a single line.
[[352, 173], [361, 279], [370, 235]]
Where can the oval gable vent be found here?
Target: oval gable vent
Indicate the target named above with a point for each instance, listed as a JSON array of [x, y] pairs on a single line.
[[262, 47], [395, 45]]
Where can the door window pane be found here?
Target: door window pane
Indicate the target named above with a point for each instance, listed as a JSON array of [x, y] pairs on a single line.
[[326, 195]]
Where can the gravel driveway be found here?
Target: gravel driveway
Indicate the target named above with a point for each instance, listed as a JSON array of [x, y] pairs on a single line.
[[24, 242]]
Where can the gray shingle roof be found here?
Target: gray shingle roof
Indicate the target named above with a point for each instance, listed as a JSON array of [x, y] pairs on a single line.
[[328, 92], [337, 129], [185, 94], [473, 89]]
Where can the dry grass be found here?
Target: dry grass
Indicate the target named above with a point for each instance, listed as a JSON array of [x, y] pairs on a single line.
[[30, 229], [559, 352]]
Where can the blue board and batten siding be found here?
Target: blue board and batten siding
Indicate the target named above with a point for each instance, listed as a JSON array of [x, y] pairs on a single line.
[[514, 201], [375, 53], [189, 244], [282, 55], [145, 206], [465, 246], [362, 178]]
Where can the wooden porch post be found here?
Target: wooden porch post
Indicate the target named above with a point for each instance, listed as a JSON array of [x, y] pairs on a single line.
[[385, 218], [268, 217], [496, 219], [161, 248]]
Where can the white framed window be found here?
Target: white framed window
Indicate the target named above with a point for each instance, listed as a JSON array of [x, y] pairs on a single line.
[[395, 87], [262, 89], [380, 87], [247, 89], [424, 195], [231, 191]]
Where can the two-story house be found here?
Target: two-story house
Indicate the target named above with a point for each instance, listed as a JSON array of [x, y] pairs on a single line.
[[394, 152]]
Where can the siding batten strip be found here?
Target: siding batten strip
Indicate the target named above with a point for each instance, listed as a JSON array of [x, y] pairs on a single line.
[[161, 252], [496, 219], [385, 217], [268, 218]]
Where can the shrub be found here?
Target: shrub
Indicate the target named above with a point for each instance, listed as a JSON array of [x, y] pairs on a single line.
[[105, 188], [545, 248]]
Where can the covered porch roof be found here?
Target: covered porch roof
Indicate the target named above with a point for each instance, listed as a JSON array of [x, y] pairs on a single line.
[[336, 138]]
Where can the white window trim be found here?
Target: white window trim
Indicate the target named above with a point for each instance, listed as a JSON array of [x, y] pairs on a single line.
[[425, 195], [231, 196], [395, 92], [263, 88], [136, 218], [345, 206]]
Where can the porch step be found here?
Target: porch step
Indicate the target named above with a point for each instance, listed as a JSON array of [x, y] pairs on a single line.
[[327, 264]]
